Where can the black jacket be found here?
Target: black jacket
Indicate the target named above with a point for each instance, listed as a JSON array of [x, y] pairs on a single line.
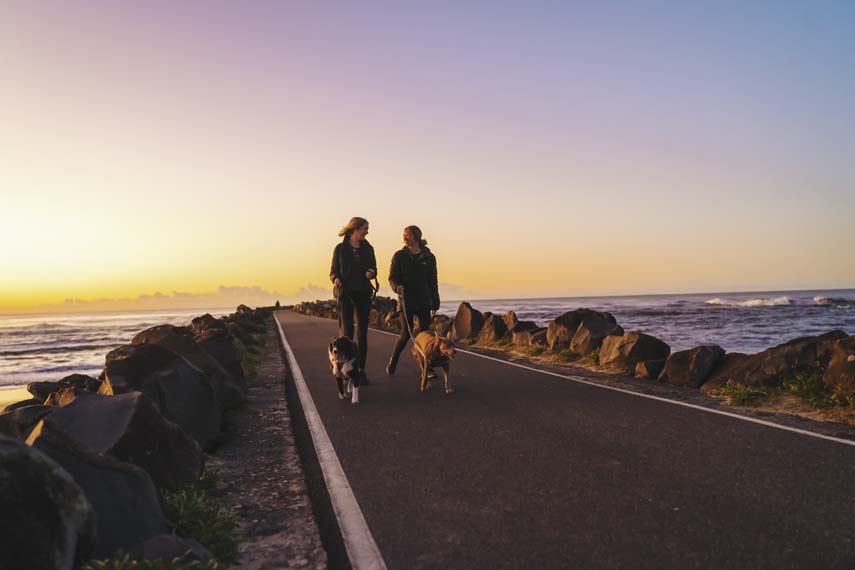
[[417, 273], [350, 266]]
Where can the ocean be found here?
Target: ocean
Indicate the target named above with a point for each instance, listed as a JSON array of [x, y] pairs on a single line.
[[48, 347]]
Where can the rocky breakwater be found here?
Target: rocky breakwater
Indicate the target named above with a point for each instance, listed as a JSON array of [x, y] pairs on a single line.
[[595, 340], [84, 461]]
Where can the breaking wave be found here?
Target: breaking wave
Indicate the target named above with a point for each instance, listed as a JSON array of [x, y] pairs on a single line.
[[838, 302], [773, 302]]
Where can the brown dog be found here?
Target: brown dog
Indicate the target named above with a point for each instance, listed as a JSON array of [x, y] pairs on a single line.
[[432, 350]]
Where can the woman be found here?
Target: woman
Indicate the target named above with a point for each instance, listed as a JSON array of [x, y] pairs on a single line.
[[353, 268], [413, 276]]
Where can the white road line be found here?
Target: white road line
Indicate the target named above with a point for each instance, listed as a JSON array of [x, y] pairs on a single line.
[[658, 398], [358, 540]]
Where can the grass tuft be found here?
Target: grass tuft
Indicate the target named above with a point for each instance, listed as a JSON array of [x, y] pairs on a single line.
[[810, 387], [536, 350], [741, 395], [567, 355]]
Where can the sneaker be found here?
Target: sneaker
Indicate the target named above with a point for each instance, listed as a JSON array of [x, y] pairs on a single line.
[[390, 368]]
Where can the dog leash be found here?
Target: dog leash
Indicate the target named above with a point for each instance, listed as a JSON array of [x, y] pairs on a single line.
[[407, 324]]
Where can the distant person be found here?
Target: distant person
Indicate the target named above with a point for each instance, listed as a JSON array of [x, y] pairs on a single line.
[[413, 277], [353, 268]]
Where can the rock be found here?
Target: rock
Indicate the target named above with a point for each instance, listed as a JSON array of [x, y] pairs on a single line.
[[840, 373], [230, 391], [168, 547], [523, 335], [24, 404], [392, 321], [649, 369], [467, 322], [622, 353], [510, 319], [590, 334], [43, 390], [244, 310], [65, 396], [538, 337], [126, 503], [46, 519], [562, 328], [181, 391], [221, 346], [691, 367], [775, 365], [17, 423], [205, 323], [493, 329], [129, 428], [719, 376]]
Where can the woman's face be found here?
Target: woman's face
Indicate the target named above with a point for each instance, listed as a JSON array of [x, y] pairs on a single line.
[[360, 233], [409, 240]]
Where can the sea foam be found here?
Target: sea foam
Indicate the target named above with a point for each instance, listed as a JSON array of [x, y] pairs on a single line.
[[773, 302]]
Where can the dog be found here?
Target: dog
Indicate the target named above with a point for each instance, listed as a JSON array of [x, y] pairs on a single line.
[[432, 350], [342, 354]]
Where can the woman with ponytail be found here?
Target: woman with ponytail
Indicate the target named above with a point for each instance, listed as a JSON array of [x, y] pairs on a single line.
[[353, 268], [413, 276]]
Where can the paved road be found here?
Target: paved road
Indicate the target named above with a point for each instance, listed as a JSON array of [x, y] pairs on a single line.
[[524, 470]]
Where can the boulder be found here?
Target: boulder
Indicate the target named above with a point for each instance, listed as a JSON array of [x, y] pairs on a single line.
[[17, 423], [775, 365], [129, 428], [206, 322], [590, 334], [493, 329], [222, 347], [523, 335], [65, 396], [649, 369], [47, 522], [244, 310], [622, 353], [169, 547], [24, 404], [392, 321], [126, 503], [691, 367], [538, 337], [732, 361], [181, 391], [840, 373], [562, 328], [467, 322], [510, 319], [230, 392], [81, 382]]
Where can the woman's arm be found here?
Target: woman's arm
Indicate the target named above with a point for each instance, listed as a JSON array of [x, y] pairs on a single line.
[[372, 263], [395, 278], [434, 284], [335, 269]]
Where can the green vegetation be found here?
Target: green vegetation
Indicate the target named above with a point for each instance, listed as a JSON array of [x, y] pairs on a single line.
[[123, 561], [810, 387], [536, 350], [251, 357], [592, 358], [741, 395], [567, 355], [196, 514]]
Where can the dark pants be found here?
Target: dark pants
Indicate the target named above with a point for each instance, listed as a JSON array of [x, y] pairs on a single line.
[[424, 325], [360, 302]]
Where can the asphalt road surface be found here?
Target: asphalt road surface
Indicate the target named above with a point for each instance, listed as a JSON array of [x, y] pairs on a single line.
[[520, 469]]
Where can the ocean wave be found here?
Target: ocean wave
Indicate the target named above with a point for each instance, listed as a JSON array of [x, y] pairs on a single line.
[[57, 349], [773, 302], [838, 302]]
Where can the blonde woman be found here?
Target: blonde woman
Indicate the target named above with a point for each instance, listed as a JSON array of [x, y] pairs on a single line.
[[353, 268]]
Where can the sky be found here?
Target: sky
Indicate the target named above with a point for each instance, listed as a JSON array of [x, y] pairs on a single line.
[[172, 152]]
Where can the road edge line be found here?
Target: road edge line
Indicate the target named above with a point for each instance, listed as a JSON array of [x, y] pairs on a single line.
[[658, 398], [358, 541]]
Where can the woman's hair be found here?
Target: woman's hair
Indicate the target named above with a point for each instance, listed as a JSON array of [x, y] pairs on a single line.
[[353, 225], [416, 232]]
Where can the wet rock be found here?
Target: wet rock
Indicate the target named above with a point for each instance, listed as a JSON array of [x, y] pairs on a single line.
[[19, 422], [590, 335], [230, 391], [467, 322], [46, 519], [181, 391], [81, 382], [622, 353], [691, 367], [129, 428], [126, 503], [649, 369], [562, 328]]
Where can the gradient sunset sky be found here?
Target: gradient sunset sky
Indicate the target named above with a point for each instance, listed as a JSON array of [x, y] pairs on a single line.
[[545, 148]]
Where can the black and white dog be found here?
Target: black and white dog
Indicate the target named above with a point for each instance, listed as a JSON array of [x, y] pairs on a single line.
[[342, 353]]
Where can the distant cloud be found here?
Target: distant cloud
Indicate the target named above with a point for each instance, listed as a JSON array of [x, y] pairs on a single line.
[[223, 297]]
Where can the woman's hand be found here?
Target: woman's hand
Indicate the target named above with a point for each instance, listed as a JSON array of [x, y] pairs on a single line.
[[370, 274], [337, 282], [399, 290], [432, 313]]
